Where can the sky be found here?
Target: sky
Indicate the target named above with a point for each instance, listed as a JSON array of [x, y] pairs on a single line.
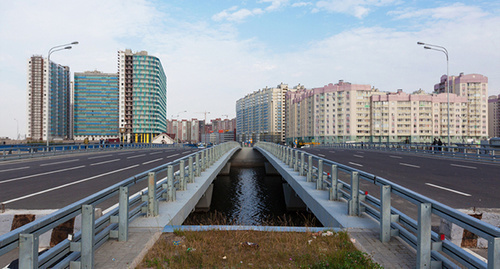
[[215, 52]]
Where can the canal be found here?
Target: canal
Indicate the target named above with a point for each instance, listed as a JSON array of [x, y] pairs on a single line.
[[250, 196]]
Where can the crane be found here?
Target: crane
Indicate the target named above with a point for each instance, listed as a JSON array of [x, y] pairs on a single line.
[[205, 122]]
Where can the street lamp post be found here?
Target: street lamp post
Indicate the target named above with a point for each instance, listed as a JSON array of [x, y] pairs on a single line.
[[445, 51], [52, 50]]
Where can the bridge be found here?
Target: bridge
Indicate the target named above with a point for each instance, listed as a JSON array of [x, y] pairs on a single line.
[[174, 189]]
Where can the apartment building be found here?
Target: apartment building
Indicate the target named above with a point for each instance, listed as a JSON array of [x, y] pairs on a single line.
[[332, 113], [494, 116], [48, 100], [475, 88], [351, 112], [95, 107], [260, 116], [417, 117], [142, 96]]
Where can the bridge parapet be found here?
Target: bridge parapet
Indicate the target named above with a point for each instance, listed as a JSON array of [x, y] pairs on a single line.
[[78, 251], [430, 246]]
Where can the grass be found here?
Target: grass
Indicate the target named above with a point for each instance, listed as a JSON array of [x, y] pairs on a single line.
[[255, 249]]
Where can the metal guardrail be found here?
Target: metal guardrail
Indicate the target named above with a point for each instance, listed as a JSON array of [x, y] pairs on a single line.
[[79, 251], [463, 151], [28, 151], [429, 245]]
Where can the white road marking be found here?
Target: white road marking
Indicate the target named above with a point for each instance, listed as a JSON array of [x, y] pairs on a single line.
[[332, 151], [68, 184], [173, 155], [447, 189], [45, 164], [125, 153], [136, 156], [186, 152], [153, 161], [41, 174], [321, 155], [110, 161], [13, 169], [97, 157], [396, 157], [409, 165], [357, 164], [359, 156], [463, 166], [155, 152]]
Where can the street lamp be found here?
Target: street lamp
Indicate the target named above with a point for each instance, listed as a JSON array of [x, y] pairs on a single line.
[[445, 51], [52, 50]]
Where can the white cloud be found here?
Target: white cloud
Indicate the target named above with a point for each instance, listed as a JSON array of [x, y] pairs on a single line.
[[356, 8], [451, 12], [234, 15], [275, 4], [209, 67], [301, 4]]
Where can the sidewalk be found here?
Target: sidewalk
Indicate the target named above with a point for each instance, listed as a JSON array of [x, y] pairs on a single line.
[[114, 254]]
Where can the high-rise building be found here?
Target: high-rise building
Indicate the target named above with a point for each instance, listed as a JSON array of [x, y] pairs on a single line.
[[333, 113], [260, 116], [142, 96], [48, 100], [95, 106], [475, 88], [494, 116]]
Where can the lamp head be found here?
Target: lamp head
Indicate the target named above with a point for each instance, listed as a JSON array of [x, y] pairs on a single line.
[[67, 48], [420, 43], [74, 43], [427, 48]]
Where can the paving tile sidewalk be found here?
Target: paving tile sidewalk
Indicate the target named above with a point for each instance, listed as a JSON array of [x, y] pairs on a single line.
[[394, 254], [114, 254]]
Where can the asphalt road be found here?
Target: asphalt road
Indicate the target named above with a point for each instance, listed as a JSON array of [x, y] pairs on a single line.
[[456, 183], [54, 182]]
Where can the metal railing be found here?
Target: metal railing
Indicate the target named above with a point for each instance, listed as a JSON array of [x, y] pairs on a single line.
[[16, 152], [430, 246], [462, 151], [78, 252]]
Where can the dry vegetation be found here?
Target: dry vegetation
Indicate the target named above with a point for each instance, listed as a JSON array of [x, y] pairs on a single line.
[[254, 249]]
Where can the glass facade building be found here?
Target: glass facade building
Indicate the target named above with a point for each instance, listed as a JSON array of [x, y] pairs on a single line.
[[95, 105], [142, 96]]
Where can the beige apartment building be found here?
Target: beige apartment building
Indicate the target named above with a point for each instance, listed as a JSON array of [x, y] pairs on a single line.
[[333, 113], [475, 88], [351, 112]]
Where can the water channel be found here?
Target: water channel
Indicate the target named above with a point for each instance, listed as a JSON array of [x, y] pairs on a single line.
[[249, 196]]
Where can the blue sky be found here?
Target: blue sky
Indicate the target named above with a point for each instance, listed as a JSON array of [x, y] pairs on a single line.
[[215, 52]]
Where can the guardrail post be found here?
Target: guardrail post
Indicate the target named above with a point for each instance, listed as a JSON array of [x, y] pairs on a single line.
[[122, 219], [171, 194], [353, 205], [319, 181], [424, 236], [302, 169], [28, 251], [123, 215], [152, 203], [385, 213], [494, 253], [290, 157], [296, 162], [334, 190], [191, 172], [88, 233], [198, 164], [182, 175], [309, 168]]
